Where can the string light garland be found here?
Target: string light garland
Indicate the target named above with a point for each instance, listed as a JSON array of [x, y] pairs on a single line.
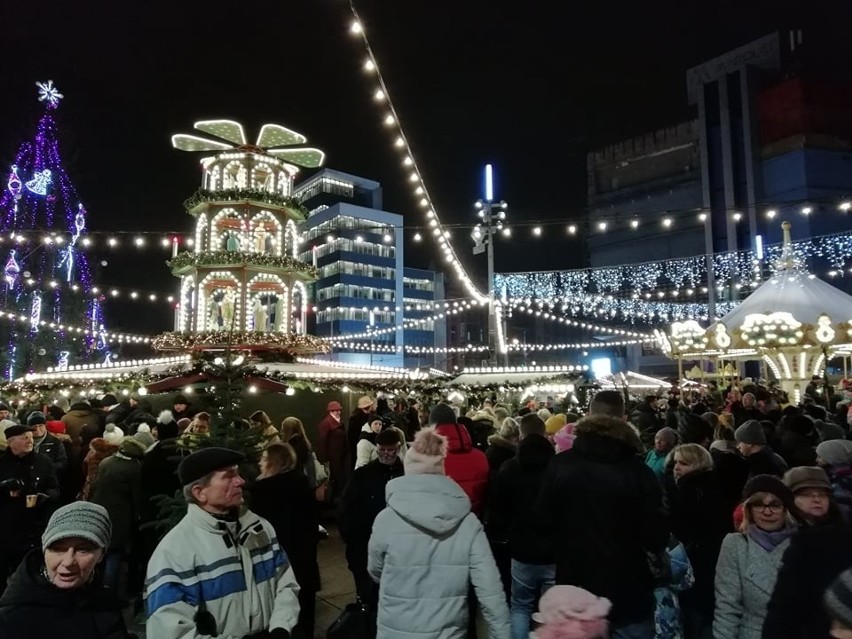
[[519, 346], [73, 330], [730, 269], [578, 323], [420, 191], [99, 291]]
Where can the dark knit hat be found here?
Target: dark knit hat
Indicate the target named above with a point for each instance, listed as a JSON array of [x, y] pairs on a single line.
[[35, 418], [79, 519], [17, 429], [167, 427], [768, 484], [4, 406], [441, 413], [838, 598], [180, 399], [691, 428], [109, 400], [205, 461], [750, 432]]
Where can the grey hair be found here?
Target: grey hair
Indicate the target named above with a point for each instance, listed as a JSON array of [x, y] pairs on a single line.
[[201, 482]]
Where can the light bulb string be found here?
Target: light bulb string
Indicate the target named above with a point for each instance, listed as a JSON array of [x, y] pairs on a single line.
[[461, 271]]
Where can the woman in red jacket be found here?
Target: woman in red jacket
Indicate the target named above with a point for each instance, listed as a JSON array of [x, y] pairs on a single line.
[[465, 465]]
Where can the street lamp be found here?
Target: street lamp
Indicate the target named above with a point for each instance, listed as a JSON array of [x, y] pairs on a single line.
[[492, 215]]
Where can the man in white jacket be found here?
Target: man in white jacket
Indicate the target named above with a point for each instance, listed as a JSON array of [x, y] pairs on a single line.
[[220, 572]]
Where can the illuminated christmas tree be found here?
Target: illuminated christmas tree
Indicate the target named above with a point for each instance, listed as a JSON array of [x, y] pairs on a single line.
[[48, 312]]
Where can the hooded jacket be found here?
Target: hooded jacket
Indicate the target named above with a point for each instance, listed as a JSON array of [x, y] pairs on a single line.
[[605, 506], [32, 607], [466, 465], [426, 547], [515, 491], [236, 570]]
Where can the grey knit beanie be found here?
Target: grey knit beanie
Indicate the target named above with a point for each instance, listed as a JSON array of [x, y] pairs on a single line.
[[78, 519], [750, 432], [835, 452]]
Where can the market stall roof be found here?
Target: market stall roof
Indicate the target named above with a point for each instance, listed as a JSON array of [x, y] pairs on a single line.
[[514, 375], [632, 379], [302, 368]]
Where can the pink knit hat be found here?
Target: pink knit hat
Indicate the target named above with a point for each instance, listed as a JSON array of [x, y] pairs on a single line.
[[568, 612], [426, 455], [564, 439]]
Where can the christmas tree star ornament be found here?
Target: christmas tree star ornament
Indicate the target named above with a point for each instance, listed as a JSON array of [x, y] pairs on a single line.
[[48, 93]]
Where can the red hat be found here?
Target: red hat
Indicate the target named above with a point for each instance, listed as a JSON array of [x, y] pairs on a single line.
[[333, 406], [56, 427]]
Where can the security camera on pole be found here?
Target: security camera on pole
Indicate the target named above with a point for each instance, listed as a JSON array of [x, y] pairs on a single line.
[[493, 215]]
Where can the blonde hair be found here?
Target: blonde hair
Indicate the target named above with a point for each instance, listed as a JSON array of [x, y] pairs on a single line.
[[727, 419], [281, 455], [758, 498], [693, 454], [292, 426]]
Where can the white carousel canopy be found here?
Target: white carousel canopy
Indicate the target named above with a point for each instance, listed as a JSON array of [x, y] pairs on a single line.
[[803, 295]]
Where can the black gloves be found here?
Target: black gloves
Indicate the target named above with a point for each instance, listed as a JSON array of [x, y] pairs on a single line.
[[11, 484], [279, 633]]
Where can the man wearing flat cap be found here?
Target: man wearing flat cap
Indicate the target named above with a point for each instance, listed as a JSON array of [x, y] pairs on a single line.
[[28, 493], [220, 571]]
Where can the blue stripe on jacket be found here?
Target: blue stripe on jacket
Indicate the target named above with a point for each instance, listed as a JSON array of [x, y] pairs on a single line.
[[191, 572], [267, 568], [206, 590]]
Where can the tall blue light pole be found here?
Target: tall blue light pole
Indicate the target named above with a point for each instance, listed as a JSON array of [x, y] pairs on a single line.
[[493, 215]]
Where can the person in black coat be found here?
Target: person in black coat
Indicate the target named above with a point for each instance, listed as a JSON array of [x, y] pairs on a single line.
[[816, 556], [28, 493], [513, 497], [362, 501], [700, 517], [284, 497], [606, 504], [646, 419], [159, 465]]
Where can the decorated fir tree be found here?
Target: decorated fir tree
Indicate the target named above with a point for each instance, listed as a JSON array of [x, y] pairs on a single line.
[[46, 279]]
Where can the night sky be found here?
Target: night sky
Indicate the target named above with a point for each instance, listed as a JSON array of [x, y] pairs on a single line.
[[528, 86]]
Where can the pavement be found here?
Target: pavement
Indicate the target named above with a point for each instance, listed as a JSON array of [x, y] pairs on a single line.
[[338, 588]]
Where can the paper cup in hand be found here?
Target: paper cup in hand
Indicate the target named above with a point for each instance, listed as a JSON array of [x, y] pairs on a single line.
[[32, 500]]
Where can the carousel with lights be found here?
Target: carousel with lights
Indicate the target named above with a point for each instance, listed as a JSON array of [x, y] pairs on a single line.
[[242, 286], [794, 323]]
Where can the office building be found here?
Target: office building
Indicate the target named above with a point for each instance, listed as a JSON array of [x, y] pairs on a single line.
[[364, 290]]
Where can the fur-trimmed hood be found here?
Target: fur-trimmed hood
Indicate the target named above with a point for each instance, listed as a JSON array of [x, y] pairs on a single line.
[[606, 426], [102, 447]]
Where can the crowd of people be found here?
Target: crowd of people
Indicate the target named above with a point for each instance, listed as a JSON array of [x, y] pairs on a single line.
[[720, 513]]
